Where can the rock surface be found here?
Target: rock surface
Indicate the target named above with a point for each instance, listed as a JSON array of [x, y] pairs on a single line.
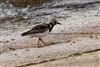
[[56, 51], [84, 60]]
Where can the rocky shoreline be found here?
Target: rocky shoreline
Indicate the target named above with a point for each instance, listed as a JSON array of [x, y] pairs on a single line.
[[78, 35]]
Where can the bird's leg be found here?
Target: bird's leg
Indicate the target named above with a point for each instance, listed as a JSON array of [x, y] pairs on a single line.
[[42, 40], [38, 42]]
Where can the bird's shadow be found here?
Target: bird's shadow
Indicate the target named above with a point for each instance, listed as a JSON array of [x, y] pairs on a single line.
[[49, 44]]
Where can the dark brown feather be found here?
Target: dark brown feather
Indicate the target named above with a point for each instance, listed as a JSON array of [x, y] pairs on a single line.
[[37, 29]]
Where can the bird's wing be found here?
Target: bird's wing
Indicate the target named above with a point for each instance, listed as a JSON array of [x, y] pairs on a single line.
[[37, 29]]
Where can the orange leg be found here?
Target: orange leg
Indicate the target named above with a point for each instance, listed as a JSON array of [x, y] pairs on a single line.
[[39, 41], [42, 41]]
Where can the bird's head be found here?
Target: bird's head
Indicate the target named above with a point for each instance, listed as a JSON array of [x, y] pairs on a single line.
[[54, 22]]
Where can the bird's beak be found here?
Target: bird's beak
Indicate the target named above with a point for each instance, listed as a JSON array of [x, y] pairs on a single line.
[[59, 23]]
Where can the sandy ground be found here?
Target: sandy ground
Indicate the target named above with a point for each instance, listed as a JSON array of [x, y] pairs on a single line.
[[75, 43]]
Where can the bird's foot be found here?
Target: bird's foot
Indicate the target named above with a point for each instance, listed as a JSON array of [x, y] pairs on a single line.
[[39, 45]]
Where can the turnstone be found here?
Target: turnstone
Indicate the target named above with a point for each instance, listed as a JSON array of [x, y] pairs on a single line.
[[41, 30]]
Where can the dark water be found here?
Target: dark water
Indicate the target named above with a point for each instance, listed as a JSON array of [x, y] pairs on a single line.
[[24, 3]]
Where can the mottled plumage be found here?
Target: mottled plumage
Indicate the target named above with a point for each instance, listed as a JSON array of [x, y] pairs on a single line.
[[37, 29], [41, 29]]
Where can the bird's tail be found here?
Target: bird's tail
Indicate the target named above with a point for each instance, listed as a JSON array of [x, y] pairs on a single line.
[[24, 34]]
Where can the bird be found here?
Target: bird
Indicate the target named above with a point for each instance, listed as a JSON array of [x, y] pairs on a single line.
[[41, 30]]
